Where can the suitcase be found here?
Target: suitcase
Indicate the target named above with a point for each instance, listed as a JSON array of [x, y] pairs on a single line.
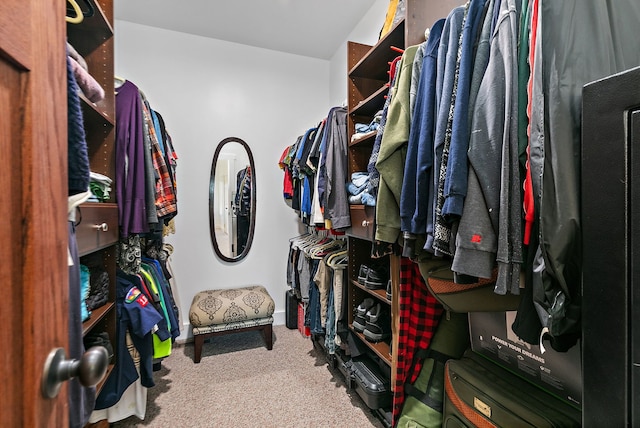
[[479, 393], [291, 309], [371, 384]]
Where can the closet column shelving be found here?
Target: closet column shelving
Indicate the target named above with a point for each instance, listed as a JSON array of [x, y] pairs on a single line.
[[367, 86], [97, 223]]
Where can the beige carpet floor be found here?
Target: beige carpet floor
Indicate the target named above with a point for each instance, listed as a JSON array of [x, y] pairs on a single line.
[[239, 383]]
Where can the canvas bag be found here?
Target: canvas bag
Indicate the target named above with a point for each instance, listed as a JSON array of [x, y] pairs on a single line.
[[424, 398], [472, 297]]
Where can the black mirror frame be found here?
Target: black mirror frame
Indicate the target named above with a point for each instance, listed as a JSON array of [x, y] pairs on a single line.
[[252, 222]]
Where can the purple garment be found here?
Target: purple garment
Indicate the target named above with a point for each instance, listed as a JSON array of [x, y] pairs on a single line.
[[130, 172]]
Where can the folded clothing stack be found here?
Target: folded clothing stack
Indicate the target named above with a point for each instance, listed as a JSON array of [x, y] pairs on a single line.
[[363, 128], [357, 189], [100, 186]]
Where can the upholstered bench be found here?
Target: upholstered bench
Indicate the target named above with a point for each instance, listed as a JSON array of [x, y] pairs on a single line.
[[217, 312]]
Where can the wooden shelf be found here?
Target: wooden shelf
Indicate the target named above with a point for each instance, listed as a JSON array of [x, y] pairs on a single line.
[[380, 294], [96, 115], [97, 315], [374, 65], [372, 104], [91, 33], [104, 379], [381, 349], [366, 139]]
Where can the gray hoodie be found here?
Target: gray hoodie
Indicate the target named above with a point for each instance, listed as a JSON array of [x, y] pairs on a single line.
[[493, 157]]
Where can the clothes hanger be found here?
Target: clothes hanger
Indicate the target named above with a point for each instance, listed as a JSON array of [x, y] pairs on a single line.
[[299, 237], [76, 9], [321, 250], [337, 259], [91, 10], [88, 5], [309, 240]]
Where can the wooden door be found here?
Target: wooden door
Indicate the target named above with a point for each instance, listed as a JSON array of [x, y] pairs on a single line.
[[33, 203]]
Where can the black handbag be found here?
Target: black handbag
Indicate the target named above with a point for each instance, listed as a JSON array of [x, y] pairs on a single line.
[[98, 288]]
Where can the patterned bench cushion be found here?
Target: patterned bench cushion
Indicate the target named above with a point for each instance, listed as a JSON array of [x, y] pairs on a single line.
[[227, 306]]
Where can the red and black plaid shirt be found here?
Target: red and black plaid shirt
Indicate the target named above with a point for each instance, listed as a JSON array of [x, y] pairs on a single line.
[[419, 314]]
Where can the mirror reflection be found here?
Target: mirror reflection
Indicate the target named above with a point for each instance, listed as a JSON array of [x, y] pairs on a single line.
[[232, 199]]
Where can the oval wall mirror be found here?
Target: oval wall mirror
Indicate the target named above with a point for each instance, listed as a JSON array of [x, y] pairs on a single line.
[[232, 199]]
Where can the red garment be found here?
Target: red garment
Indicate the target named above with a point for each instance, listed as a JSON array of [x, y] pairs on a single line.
[[528, 202], [287, 185], [165, 197], [419, 315]]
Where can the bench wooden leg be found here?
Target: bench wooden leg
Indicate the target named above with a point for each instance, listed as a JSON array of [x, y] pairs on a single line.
[[267, 331], [198, 342], [198, 339]]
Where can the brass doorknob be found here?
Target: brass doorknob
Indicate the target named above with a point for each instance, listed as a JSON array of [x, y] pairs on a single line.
[[89, 369]]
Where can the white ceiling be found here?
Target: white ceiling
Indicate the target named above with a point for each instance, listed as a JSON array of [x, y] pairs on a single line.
[[314, 28]]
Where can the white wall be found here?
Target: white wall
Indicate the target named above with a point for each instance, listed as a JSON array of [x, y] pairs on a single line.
[[207, 90], [366, 32]]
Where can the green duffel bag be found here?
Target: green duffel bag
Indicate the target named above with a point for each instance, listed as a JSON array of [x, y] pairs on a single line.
[[424, 398]]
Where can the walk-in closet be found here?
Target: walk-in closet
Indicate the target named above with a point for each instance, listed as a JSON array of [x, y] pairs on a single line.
[[270, 213]]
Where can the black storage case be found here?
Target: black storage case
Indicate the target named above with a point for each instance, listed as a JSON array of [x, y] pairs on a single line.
[[478, 392], [345, 366], [556, 372], [291, 309], [371, 384]]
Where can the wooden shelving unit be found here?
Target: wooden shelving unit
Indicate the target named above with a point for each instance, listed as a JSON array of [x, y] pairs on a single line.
[[97, 223], [367, 85]]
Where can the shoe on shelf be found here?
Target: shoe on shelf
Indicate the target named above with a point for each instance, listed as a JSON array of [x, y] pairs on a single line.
[[389, 288], [377, 278], [360, 318], [362, 273], [378, 325]]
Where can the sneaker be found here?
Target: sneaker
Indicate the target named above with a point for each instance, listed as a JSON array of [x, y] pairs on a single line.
[[362, 273], [378, 325], [377, 278], [360, 318]]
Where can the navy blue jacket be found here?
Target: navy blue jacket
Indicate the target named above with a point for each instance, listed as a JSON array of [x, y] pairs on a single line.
[[455, 185], [417, 184], [137, 314]]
